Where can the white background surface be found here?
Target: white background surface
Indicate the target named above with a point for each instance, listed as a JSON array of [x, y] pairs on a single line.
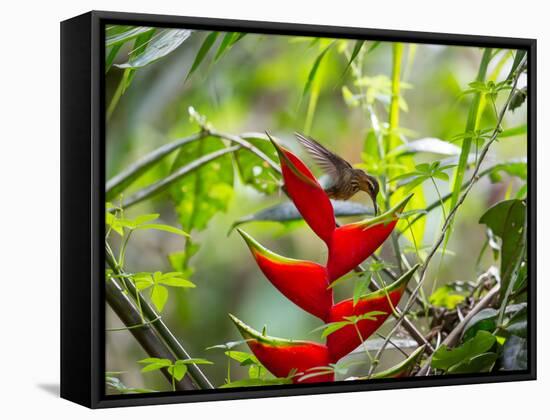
[[29, 232]]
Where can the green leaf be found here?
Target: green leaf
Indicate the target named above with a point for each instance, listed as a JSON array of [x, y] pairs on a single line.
[[165, 228], [195, 361], [242, 357], [158, 47], [252, 169], [177, 282], [517, 325], [480, 363], [484, 320], [143, 281], [157, 360], [124, 34], [206, 191], [314, 68], [354, 53], [361, 286], [507, 220], [515, 131], [257, 382], [159, 296], [229, 39], [446, 297], [111, 55], [178, 371], [444, 358], [287, 212], [144, 218], [332, 327], [154, 366], [203, 51], [516, 167], [373, 46]]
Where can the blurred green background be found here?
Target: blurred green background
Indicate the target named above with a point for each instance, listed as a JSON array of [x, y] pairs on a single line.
[[258, 85]]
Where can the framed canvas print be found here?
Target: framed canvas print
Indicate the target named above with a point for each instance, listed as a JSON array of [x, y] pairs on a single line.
[[254, 209]]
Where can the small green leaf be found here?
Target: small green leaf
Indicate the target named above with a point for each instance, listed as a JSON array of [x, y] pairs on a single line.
[[144, 218], [155, 360], [444, 358], [314, 68], [484, 320], [481, 363], [165, 228], [178, 371], [361, 286], [354, 53], [446, 297], [242, 357], [177, 282], [159, 296], [515, 131], [195, 362], [333, 327], [203, 51]]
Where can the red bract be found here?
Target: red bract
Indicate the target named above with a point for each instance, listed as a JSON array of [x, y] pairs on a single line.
[[286, 357], [353, 243], [303, 282], [346, 339], [307, 283], [307, 194]]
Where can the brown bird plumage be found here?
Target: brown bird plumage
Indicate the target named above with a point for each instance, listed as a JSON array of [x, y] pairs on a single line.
[[346, 181]]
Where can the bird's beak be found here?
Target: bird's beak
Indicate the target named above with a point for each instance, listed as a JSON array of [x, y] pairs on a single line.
[[374, 205]]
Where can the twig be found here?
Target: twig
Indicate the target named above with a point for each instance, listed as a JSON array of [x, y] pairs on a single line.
[[474, 178], [245, 145], [164, 183], [135, 169], [454, 335]]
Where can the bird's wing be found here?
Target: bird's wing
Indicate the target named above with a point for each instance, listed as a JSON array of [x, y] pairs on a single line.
[[329, 162]]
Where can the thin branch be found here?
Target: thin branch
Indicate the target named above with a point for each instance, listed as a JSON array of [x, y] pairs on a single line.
[[245, 145], [165, 183]]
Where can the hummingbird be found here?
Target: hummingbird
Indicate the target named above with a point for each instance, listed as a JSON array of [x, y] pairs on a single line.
[[345, 180]]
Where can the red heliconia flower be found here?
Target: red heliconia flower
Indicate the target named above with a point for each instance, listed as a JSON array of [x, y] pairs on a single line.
[[307, 194], [286, 357], [353, 243], [346, 339], [303, 282]]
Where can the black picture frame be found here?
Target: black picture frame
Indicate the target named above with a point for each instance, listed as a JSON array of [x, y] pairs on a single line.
[[82, 206]]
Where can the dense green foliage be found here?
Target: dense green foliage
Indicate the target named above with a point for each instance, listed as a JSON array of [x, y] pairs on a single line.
[[188, 160]]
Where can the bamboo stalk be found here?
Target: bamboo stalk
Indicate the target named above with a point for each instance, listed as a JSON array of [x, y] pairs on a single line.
[[145, 335], [160, 327]]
